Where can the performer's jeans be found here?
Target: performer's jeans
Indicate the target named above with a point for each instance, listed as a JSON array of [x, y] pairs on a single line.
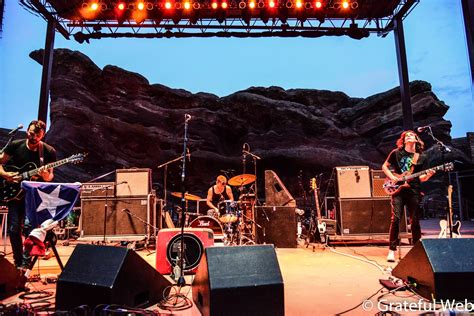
[[411, 199], [16, 225]]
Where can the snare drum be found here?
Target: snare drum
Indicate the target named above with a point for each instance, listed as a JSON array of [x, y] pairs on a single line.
[[208, 222], [228, 211]]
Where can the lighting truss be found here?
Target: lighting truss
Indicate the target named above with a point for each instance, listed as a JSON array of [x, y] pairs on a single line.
[[287, 19]]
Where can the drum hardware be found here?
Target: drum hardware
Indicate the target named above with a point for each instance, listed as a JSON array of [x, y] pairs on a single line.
[[209, 222]]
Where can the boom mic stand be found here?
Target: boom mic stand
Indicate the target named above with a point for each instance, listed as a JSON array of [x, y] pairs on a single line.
[[181, 281], [443, 149]]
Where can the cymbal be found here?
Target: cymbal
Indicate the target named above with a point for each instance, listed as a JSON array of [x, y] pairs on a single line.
[[241, 179], [187, 196]]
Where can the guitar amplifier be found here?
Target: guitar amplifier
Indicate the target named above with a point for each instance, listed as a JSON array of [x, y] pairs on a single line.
[[97, 189], [133, 182], [378, 179], [353, 182]]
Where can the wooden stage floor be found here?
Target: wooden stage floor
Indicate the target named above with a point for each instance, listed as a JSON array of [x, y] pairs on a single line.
[[317, 280]]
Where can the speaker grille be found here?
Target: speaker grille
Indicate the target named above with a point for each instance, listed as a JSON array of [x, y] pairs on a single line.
[[378, 178]]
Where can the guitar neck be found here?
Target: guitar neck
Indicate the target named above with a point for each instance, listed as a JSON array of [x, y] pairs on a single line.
[[420, 173], [55, 164], [316, 200]]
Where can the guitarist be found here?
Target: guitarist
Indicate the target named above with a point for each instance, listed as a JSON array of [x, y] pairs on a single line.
[[408, 158], [19, 153]]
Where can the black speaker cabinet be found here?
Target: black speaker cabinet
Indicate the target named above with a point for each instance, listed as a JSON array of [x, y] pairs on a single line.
[[365, 217], [443, 268], [9, 278], [278, 225], [123, 216], [241, 280], [97, 275]]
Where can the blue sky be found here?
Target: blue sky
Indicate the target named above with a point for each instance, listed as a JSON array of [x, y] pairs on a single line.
[[436, 50]]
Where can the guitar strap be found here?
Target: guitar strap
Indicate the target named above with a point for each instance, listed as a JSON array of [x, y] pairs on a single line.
[[41, 153], [414, 161]]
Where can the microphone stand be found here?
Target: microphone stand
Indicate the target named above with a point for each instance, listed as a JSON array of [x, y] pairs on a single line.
[[444, 149], [8, 143], [106, 205], [181, 281], [165, 177], [255, 158]]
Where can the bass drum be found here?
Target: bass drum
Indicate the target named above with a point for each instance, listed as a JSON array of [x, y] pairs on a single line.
[[208, 222]]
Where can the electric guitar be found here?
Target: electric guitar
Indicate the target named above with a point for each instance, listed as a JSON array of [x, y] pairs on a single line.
[[444, 233], [321, 224], [392, 187], [12, 190]]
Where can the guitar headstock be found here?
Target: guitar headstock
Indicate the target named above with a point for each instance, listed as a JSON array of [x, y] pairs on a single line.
[[76, 158], [313, 184]]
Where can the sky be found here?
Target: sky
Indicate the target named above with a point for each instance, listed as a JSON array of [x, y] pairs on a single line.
[[435, 43]]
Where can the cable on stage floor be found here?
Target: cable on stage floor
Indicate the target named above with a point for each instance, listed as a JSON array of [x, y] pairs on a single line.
[[360, 304], [372, 262], [176, 301]]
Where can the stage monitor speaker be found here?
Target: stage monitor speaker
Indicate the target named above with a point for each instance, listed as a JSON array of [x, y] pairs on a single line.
[[378, 179], [97, 275], [133, 182], [440, 268], [353, 182], [168, 245], [278, 225], [240, 280], [125, 216], [276, 192], [365, 217], [9, 278]]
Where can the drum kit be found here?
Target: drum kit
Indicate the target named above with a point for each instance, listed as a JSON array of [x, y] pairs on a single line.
[[234, 223]]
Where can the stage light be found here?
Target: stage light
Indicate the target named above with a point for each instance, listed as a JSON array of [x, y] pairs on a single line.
[[121, 6], [187, 5], [94, 6], [289, 4], [214, 5], [354, 5], [299, 4], [318, 4], [196, 6], [167, 5], [271, 4], [345, 5], [261, 4], [242, 5], [224, 5], [252, 4], [177, 6], [140, 6]]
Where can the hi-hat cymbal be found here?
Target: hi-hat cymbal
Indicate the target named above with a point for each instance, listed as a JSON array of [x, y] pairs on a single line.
[[187, 196], [241, 179]]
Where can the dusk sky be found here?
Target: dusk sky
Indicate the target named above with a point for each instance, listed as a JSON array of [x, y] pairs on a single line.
[[435, 39]]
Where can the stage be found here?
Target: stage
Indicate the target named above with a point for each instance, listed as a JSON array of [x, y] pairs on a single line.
[[317, 279]]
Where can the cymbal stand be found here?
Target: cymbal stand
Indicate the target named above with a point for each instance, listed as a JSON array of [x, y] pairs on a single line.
[[165, 176], [255, 158]]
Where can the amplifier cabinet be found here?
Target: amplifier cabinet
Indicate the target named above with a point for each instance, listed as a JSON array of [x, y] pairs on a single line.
[[365, 216], [97, 189], [353, 182], [125, 216], [133, 182], [378, 179]]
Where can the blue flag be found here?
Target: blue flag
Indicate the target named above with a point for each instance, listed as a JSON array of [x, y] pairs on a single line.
[[46, 200]]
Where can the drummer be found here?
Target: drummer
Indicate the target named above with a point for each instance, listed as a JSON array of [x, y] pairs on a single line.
[[218, 193]]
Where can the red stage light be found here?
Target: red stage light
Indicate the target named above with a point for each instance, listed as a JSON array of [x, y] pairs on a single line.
[[140, 6], [214, 5], [345, 4], [121, 6], [187, 5], [299, 4], [318, 4], [271, 4], [224, 5], [252, 4], [167, 5]]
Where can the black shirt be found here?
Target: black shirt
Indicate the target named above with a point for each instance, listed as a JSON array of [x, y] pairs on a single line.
[[20, 155], [216, 197], [401, 161]]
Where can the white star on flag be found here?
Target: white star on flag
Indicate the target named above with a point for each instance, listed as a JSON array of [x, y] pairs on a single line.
[[50, 201]]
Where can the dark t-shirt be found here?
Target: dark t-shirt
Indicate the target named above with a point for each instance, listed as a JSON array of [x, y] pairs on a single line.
[[401, 161], [20, 155], [216, 198]]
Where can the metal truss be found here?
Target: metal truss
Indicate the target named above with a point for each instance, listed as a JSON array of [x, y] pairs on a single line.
[[353, 27]]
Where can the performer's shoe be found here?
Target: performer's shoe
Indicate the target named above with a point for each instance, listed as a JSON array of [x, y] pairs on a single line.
[[391, 256]]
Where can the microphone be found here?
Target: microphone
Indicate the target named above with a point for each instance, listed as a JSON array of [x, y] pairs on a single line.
[[423, 128], [122, 182], [13, 131], [188, 154], [187, 117]]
